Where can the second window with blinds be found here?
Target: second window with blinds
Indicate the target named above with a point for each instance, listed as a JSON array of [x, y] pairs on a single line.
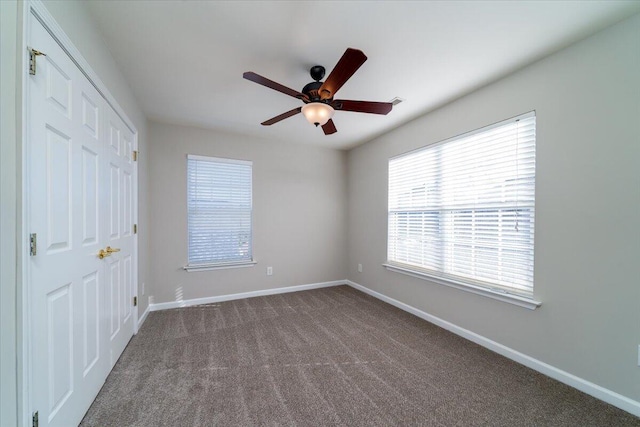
[[219, 211], [462, 210]]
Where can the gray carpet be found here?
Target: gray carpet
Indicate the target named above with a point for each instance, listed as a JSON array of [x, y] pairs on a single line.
[[325, 357]]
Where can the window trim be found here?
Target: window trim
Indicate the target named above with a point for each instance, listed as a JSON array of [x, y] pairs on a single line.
[[494, 293], [220, 160], [220, 265], [480, 288]]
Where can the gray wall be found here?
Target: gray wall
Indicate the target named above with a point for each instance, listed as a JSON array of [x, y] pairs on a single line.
[[299, 213], [587, 242], [8, 215]]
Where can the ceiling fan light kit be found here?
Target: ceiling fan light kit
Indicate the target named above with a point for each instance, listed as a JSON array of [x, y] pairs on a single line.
[[318, 113], [318, 96]]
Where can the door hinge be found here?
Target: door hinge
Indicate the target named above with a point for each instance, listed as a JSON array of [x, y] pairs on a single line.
[[34, 419], [33, 244], [135, 301], [135, 228], [135, 156], [32, 60]]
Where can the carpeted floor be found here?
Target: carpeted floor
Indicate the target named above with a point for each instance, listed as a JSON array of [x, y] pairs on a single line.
[[325, 357]]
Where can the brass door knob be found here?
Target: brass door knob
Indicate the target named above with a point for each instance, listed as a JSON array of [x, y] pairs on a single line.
[[107, 252]]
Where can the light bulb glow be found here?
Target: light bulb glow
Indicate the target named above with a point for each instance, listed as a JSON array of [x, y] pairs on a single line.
[[317, 113]]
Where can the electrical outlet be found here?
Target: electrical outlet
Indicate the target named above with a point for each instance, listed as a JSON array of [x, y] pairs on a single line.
[[359, 268], [269, 271]]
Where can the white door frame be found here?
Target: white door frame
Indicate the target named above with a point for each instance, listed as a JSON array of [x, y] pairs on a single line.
[[35, 9]]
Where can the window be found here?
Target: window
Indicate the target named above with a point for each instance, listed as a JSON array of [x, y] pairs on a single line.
[[218, 211], [462, 210]]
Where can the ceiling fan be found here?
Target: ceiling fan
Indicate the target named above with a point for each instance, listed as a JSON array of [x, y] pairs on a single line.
[[317, 96]]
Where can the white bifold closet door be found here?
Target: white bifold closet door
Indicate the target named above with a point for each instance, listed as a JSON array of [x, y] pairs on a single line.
[[80, 181]]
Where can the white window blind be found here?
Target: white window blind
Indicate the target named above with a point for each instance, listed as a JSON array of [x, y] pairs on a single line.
[[463, 209], [219, 210]]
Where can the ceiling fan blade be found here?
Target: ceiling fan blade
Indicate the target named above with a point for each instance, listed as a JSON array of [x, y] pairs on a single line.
[[329, 127], [351, 60], [362, 106], [250, 75], [282, 116]]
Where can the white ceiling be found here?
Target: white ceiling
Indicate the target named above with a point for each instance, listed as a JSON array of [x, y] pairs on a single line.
[[184, 59]]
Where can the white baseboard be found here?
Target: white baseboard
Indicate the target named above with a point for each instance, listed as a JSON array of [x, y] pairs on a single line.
[[229, 297], [144, 316], [583, 385]]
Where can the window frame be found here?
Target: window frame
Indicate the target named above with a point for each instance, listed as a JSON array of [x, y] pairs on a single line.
[[205, 266], [440, 276]]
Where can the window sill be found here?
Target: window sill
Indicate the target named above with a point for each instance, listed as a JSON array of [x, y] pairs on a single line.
[[518, 300], [207, 267]]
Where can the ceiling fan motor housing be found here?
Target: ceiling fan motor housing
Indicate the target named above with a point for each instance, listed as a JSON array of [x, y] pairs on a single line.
[[311, 89]]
